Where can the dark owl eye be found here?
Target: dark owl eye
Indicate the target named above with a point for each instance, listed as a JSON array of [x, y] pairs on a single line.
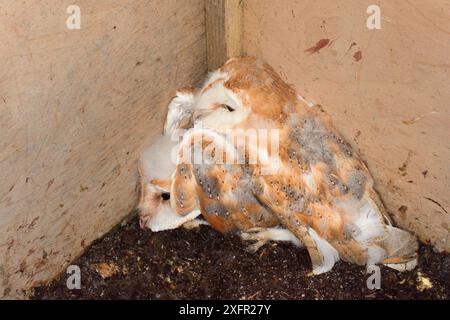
[[165, 196], [229, 108]]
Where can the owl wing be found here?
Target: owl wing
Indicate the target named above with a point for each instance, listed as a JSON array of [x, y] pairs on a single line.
[[324, 194], [218, 184], [287, 199], [180, 111], [202, 180]]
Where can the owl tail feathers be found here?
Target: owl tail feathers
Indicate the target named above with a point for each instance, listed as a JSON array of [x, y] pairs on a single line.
[[326, 256], [401, 249]]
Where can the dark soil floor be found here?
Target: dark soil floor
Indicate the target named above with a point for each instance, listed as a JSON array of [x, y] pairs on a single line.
[[130, 263]]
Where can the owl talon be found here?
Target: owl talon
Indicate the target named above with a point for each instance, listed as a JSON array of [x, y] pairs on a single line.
[[253, 248], [194, 224], [263, 235]]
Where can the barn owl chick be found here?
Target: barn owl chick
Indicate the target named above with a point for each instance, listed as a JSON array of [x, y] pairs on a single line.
[[156, 168], [319, 188]]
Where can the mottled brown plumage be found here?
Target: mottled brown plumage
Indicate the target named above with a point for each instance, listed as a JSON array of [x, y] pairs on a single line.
[[320, 189]]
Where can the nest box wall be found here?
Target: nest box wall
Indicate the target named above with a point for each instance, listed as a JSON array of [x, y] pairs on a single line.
[[77, 106], [387, 90]]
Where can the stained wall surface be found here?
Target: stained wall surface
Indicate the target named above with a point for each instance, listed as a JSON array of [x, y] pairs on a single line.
[[76, 108], [387, 90]]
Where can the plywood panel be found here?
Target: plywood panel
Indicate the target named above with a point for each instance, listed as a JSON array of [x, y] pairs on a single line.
[[223, 31], [76, 109], [388, 90]]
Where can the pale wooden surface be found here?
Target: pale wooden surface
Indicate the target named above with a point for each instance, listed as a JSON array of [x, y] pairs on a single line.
[[233, 27], [403, 73], [223, 31], [76, 109]]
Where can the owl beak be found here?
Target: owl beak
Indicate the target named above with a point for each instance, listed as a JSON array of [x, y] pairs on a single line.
[[199, 113], [143, 220]]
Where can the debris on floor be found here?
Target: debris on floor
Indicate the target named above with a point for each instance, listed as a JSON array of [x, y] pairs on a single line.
[[130, 263], [423, 283], [106, 270]]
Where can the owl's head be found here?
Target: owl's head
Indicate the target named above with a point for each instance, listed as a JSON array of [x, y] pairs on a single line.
[[156, 168], [217, 106], [241, 90], [155, 211]]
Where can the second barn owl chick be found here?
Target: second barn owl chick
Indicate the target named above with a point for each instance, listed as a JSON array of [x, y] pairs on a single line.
[[156, 168]]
